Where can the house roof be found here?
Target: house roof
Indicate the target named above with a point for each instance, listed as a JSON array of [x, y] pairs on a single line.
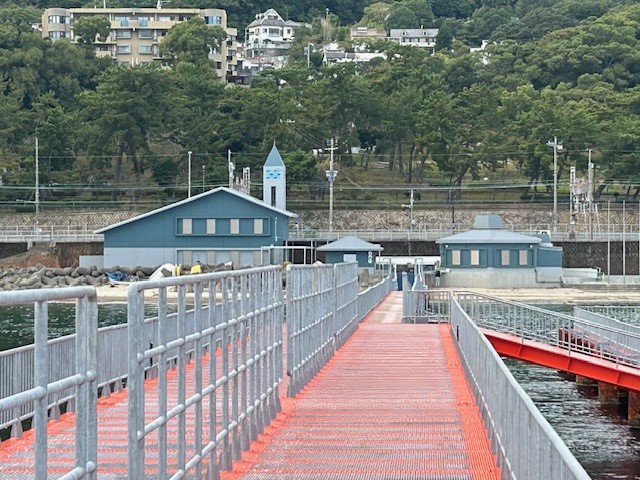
[[488, 229], [274, 159], [350, 244], [198, 197]]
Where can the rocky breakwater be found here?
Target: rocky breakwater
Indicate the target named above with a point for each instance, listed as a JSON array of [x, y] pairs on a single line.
[[47, 277]]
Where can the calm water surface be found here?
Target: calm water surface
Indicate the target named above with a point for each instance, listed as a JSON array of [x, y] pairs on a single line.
[[16, 322], [597, 435]]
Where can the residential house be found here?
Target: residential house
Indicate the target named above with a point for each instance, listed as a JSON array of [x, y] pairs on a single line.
[[417, 37]]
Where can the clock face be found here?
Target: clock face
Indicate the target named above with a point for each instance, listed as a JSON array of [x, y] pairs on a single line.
[[273, 174]]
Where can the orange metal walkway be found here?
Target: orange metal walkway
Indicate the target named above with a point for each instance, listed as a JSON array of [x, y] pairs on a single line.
[[392, 404]]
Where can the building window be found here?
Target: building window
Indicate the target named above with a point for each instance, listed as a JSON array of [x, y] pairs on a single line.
[[145, 34], [124, 21], [143, 21], [55, 35], [273, 196], [211, 226], [455, 257], [523, 257], [258, 226], [211, 257], [213, 20], [185, 226], [475, 257], [123, 33], [145, 49], [165, 19], [505, 258], [123, 49], [234, 226], [58, 19]]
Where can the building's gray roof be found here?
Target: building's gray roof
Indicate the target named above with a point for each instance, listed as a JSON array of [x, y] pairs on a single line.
[[267, 22], [488, 229], [274, 159], [195, 198], [350, 244]]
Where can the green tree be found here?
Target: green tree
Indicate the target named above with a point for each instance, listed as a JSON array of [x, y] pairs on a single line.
[[90, 28], [128, 109], [191, 41]]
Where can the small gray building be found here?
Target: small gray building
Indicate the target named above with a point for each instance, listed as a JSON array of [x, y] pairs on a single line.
[[491, 257], [352, 249]]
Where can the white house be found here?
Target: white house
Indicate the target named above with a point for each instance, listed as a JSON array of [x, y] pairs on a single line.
[[268, 38]]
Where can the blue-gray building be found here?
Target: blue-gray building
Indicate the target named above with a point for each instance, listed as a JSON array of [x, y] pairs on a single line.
[[351, 249], [214, 227], [491, 257]]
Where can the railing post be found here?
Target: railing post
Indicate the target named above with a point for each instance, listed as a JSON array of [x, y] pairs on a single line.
[[41, 368], [135, 383]]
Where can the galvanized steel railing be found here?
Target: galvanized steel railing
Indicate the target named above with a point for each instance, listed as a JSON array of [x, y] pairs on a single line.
[[316, 311], [628, 314], [526, 445], [232, 396], [372, 296], [551, 328], [16, 365], [45, 387], [323, 311]]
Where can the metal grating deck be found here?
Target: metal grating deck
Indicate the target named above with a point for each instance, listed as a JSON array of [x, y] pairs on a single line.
[[392, 404]]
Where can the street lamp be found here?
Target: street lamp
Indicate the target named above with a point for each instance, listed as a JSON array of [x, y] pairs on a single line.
[[556, 148], [189, 181], [203, 169], [331, 176]]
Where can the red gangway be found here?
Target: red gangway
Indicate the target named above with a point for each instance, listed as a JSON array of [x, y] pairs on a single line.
[[392, 403]]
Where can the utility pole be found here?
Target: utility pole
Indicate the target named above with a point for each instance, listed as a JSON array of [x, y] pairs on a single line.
[[331, 176], [556, 148], [189, 181], [37, 199], [231, 168], [590, 195]]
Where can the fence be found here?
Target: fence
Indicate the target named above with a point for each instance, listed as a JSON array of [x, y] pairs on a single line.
[[235, 390], [323, 310], [552, 328], [526, 445], [55, 374]]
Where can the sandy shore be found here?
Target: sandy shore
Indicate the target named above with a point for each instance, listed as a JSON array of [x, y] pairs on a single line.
[[602, 295]]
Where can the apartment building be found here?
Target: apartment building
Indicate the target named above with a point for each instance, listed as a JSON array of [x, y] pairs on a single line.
[[137, 32]]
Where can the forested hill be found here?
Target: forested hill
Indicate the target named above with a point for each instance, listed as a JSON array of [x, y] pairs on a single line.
[[563, 68]]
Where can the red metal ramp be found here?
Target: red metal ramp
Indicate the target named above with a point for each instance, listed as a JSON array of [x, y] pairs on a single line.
[[589, 366], [392, 404]]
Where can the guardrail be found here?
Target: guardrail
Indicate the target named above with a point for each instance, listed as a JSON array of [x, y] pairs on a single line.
[[237, 385], [525, 444], [55, 374], [552, 328], [323, 311], [49, 234], [627, 314]]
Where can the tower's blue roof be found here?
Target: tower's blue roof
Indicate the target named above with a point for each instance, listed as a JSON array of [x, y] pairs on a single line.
[[274, 159]]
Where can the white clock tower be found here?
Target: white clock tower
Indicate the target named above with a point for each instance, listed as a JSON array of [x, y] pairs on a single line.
[[274, 180]]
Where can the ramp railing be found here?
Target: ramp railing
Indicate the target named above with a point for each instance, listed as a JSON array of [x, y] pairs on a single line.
[[324, 309], [218, 405], [552, 328], [38, 379], [524, 442], [628, 314]]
